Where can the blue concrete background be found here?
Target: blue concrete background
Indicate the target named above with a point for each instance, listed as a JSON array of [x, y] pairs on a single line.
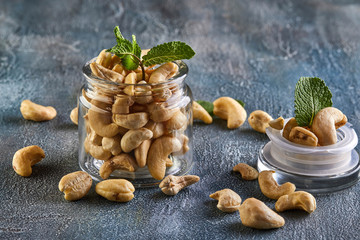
[[250, 50]]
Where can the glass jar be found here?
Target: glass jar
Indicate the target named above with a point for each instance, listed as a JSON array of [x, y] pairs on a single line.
[[141, 131], [320, 169]]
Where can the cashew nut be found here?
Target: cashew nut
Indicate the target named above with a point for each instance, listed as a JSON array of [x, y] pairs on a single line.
[[163, 73], [131, 121], [325, 123], [104, 58], [297, 200], [119, 68], [133, 138], [118, 190], [123, 161], [25, 158], [255, 214], [161, 94], [130, 79], [75, 185], [288, 126], [169, 162], [247, 172], [36, 112], [160, 113], [200, 113], [96, 151], [277, 124], [143, 94], [177, 121], [95, 138], [259, 120], [157, 128], [229, 201], [122, 104], [270, 188], [74, 115], [171, 185], [229, 109], [141, 153], [303, 136], [104, 73], [138, 108], [112, 144], [101, 123], [185, 147], [158, 152]]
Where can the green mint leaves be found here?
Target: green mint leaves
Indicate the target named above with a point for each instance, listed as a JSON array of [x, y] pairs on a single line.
[[130, 52], [168, 52], [311, 95], [209, 106]]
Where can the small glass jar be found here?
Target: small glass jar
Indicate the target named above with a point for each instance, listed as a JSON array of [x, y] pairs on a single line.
[[158, 114], [320, 169]]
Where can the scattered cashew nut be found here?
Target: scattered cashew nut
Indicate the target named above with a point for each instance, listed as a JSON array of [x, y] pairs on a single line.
[[118, 190], [158, 153], [230, 110], [133, 138], [25, 158], [255, 214], [229, 201], [36, 112], [303, 136], [270, 188], [75, 185], [121, 162], [247, 172], [200, 113], [297, 200], [171, 185], [259, 120], [277, 124], [325, 123], [74, 115]]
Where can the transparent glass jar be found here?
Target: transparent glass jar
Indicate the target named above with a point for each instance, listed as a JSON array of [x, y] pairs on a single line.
[[321, 169], [156, 116]]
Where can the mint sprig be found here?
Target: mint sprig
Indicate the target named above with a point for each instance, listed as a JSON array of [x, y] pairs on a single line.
[[311, 95], [130, 52]]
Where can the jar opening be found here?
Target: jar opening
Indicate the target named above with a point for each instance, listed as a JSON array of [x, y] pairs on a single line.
[[178, 78]]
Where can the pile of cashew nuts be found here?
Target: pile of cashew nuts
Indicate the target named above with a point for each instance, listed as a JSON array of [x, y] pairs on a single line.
[[253, 212], [135, 125], [322, 132]]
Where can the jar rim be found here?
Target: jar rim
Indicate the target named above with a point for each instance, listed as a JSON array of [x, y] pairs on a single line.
[[177, 78]]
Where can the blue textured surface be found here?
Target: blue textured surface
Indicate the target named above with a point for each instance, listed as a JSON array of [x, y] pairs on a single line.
[[251, 50]]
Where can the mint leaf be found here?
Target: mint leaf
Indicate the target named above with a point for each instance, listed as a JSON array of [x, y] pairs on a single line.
[[241, 102], [126, 50], [130, 62], [311, 95], [208, 106], [168, 52]]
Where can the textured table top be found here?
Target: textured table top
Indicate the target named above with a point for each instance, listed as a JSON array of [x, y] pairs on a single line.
[[250, 50]]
